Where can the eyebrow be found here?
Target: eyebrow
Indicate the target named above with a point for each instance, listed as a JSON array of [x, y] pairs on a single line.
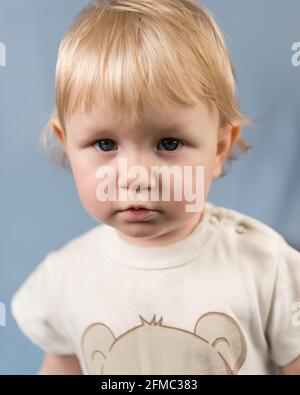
[[174, 127], [177, 128]]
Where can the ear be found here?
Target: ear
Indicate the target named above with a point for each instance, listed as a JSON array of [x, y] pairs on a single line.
[[227, 138], [96, 343], [58, 132], [224, 334]]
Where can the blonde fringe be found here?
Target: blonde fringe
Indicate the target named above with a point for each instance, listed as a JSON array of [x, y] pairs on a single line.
[[144, 54]]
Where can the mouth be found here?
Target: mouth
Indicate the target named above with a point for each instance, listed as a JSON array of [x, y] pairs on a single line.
[[138, 213], [138, 207]]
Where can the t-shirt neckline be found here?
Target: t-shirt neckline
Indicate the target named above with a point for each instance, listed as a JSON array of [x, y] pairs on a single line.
[[159, 257]]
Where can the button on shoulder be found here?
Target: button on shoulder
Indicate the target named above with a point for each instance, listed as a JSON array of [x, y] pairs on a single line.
[[241, 228]]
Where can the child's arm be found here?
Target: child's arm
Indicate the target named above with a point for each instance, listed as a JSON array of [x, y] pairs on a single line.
[[60, 364], [292, 368]]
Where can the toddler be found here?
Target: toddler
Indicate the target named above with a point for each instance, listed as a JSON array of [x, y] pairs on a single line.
[[157, 286]]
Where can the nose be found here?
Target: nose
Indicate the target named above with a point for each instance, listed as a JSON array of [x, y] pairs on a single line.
[[136, 168]]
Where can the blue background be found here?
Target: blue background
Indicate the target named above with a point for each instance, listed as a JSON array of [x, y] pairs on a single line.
[[40, 208]]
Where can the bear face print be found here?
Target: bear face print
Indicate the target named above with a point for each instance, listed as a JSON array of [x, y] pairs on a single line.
[[217, 346]]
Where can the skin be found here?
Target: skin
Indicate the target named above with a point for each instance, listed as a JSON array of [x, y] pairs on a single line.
[[60, 364], [141, 145], [201, 142]]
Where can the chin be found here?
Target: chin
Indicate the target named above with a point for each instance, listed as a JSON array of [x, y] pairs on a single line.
[[140, 230]]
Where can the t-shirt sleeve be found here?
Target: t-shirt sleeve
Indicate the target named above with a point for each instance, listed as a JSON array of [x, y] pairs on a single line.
[[35, 307], [283, 328]]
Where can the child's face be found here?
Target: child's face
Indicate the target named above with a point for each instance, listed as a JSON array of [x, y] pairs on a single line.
[[198, 143]]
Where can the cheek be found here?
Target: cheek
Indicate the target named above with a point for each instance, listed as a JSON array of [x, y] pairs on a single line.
[[209, 160], [202, 178], [191, 190], [86, 183]]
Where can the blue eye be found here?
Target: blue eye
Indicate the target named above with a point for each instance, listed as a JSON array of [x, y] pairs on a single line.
[[104, 145], [170, 144]]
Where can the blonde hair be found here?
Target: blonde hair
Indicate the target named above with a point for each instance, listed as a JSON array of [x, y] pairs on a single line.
[[143, 54]]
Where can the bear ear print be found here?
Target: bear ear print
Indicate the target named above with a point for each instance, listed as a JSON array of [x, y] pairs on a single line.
[[95, 343], [224, 334]]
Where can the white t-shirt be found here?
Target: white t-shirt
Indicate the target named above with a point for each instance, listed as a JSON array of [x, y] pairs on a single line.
[[224, 300]]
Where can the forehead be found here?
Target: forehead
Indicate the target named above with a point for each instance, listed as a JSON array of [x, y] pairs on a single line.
[[102, 117]]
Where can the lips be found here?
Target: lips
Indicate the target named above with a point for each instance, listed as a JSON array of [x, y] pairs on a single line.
[[138, 214], [138, 207]]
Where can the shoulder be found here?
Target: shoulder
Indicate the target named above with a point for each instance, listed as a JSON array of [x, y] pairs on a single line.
[[247, 234], [80, 244], [70, 257], [243, 223], [59, 267]]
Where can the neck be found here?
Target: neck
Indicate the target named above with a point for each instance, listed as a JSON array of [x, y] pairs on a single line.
[[166, 238]]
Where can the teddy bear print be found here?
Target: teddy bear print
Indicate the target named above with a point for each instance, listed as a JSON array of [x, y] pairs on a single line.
[[216, 346]]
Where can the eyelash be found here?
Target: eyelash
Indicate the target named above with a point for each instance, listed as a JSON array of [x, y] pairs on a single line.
[[165, 138]]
